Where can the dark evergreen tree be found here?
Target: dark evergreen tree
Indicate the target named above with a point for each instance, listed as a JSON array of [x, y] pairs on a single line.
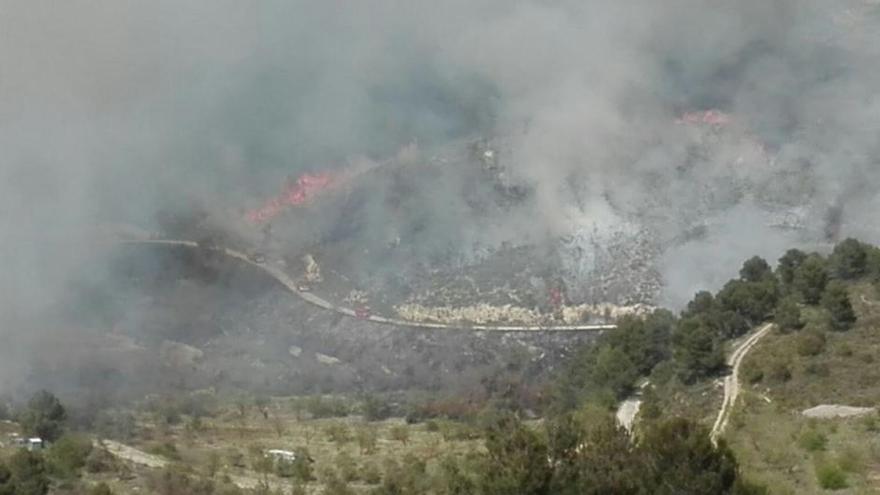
[[645, 341], [614, 371], [696, 350], [754, 301], [588, 453], [872, 264], [44, 417], [836, 301], [788, 315], [682, 460], [517, 461], [726, 323], [593, 457], [702, 303], [788, 264], [849, 259], [755, 269], [810, 279]]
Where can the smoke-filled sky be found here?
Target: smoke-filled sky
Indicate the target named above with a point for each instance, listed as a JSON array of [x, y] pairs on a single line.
[[110, 111]]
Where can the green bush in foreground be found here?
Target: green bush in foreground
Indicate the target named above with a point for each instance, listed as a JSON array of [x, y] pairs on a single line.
[[831, 477], [752, 373], [851, 460], [68, 455], [810, 343], [101, 489], [813, 441], [28, 474]]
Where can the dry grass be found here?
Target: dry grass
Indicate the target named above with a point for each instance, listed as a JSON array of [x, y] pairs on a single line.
[[227, 435]]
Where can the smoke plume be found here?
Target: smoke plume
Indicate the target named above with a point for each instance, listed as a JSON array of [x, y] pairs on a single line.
[[113, 111]]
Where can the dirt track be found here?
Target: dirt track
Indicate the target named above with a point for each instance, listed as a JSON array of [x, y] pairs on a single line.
[[627, 411], [275, 270], [731, 381], [134, 455], [826, 411]]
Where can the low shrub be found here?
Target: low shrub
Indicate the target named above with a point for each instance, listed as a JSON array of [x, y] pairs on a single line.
[[320, 407], [371, 474], [101, 489], [812, 441], [338, 433], [817, 369], [752, 373], [376, 409], [810, 343], [165, 449], [851, 460], [779, 372], [831, 477], [68, 455], [346, 467]]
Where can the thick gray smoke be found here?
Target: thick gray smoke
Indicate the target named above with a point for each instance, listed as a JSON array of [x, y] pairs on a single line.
[[111, 111]]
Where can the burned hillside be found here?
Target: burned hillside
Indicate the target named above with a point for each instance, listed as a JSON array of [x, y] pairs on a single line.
[[178, 321], [526, 164]]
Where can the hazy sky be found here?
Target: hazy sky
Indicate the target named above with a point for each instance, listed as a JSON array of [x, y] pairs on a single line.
[[111, 110]]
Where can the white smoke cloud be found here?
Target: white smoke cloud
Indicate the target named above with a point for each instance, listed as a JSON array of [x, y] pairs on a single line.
[[112, 110]]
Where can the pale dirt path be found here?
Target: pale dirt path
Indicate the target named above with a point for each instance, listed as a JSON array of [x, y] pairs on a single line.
[[630, 407], [826, 411], [731, 381], [135, 456], [132, 454], [626, 413], [274, 269]]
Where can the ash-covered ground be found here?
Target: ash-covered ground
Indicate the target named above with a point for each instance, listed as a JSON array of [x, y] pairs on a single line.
[[443, 228]]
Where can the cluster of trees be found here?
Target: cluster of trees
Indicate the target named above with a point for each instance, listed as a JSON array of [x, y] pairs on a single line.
[[572, 454], [68, 454], [608, 371], [691, 344], [762, 294], [24, 474], [578, 450], [44, 417], [583, 453]]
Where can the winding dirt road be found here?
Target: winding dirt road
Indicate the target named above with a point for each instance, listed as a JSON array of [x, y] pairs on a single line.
[[275, 270], [731, 381]]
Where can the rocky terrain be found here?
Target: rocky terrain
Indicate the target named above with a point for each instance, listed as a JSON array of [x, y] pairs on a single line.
[[445, 230]]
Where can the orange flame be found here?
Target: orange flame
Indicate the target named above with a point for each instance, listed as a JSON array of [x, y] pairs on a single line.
[[297, 193]]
